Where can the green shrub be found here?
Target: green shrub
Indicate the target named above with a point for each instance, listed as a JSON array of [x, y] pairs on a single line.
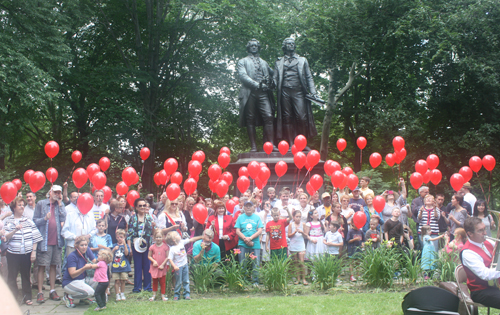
[[378, 266], [275, 274], [203, 275], [412, 265], [234, 275], [445, 266], [326, 269]]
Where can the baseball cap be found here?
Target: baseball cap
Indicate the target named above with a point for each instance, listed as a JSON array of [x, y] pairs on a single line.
[[324, 195], [56, 188], [248, 203]]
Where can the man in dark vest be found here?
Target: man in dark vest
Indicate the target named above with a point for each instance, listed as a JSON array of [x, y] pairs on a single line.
[[294, 81], [256, 97], [477, 256]]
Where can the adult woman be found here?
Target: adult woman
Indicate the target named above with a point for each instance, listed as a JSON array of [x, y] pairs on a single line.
[[223, 227], [481, 211], [22, 236], [123, 204], [393, 200], [304, 207], [370, 212], [172, 219], [335, 198], [457, 215], [346, 212], [76, 284], [336, 216], [139, 237], [116, 219], [429, 215]]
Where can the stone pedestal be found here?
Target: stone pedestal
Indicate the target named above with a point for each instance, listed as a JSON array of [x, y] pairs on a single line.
[[290, 179]]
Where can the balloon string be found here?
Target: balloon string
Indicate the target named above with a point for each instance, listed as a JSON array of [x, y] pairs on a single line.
[[70, 173], [360, 158], [277, 183], [304, 179], [142, 171], [489, 189], [481, 185]]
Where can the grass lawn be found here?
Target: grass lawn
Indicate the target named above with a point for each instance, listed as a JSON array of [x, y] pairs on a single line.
[[386, 303]]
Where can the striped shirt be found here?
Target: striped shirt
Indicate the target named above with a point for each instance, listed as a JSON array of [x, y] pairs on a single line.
[[23, 240], [428, 218]]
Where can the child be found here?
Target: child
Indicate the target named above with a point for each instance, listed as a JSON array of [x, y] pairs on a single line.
[[372, 234], [355, 239], [429, 253], [297, 245], [177, 257], [101, 240], [158, 255], [333, 239], [101, 276], [314, 230], [275, 230], [120, 264]]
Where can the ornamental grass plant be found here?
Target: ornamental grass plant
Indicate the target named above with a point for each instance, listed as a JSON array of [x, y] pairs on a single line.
[[204, 276], [412, 268], [378, 266], [275, 274], [326, 270], [233, 275]]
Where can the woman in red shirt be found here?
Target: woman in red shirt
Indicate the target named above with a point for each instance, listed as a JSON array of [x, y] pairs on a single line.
[[223, 227]]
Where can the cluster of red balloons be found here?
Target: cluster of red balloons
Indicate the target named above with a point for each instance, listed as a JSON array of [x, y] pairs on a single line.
[[464, 175], [425, 171], [341, 177], [259, 172], [399, 152]]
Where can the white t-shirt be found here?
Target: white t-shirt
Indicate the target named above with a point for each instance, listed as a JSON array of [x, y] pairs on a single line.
[[29, 212], [178, 253], [99, 211], [333, 238], [471, 199], [294, 202]]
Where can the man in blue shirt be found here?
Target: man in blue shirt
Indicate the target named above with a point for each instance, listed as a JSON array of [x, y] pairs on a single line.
[[205, 251]]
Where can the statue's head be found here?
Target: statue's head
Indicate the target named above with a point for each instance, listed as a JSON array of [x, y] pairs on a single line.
[[253, 44], [288, 44]]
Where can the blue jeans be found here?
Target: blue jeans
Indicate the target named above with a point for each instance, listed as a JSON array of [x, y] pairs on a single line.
[[142, 277], [255, 262], [182, 279]]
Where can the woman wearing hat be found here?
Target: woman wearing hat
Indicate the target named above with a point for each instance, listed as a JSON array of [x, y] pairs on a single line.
[[223, 227]]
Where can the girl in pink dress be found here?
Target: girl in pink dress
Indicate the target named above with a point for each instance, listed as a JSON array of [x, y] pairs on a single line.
[[158, 254]]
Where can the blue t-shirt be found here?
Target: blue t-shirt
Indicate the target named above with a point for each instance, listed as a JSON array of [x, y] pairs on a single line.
[[210, 256], [248, 225], [120, 262], [105, 240], [76, 260]]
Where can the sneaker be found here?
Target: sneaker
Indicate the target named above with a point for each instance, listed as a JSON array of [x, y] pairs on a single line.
[[176, 298], [58, 281], [54, 297], [39, 298], [352, 279], [68, 301], [187, 298], [123, 296], [256, 285], [97, 309], [118, 297], [164, 297]]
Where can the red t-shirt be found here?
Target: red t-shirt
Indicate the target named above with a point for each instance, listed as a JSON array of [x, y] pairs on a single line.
[[52, 232], [276, 233]]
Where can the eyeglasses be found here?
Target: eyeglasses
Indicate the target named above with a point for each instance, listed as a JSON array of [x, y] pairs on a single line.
[[174, 204], [141, 206]]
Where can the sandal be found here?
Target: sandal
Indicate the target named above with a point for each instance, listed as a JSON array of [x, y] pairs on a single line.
[[28, 302], [305, 282], [295, 282], [152, 298]]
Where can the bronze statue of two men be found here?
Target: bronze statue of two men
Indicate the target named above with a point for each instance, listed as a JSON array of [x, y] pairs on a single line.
[[295, 89]]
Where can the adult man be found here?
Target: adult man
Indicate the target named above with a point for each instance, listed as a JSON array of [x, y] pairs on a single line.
[[77, 224], [363, 182], [205, 251], [29, 209], [326, 208], [418, 202], [315, 201], [443, 218], [99, 209], [468, 197], [256, 98], [49, 218], [477, 256], [271, 194], [356, 203], [293, 78], [293, 202], [72, 207]]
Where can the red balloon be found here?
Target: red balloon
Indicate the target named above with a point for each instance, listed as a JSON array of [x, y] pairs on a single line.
[[299, 159], [475, 163], [170, 166], [80, 177], [347, 171], [107, 194], [99, 180], [243, 171], [163, 177], [268, 148], [421, 166], [214, 172], [176, 178], [224, 160], [397, 158], [280, 168], [194, 167], [378, 203], [230, 204], [398, 143], [283, 147], [8, 191], [222, 188], [264, 174], [144, 153], [338, 178], [173, 191], [359, 219], [129, 176], [375, 159], [466, 173], [132, 196], [195, 177], [316, 181], [211, 185], [457, 181], [313, 158], [436, 176], [85, 203], [416, 180], [190, 186], [200, 213], [352, 181], [489, 162], [104, 163], [92, 169], [225, 150], [260, 184], [427, 176], [136, 180], [243, 183], [27, 176], [37, 181], [76, 156], [228, 177], [294, 150], [389, 159], [310, 188], [300, 142], [51, 149], [341, 144], [308, 167], [18, 183], [432, 161], [344, 183], [51, 174], [253, 169], [402, 153], [361, 142], [236, 199], [121, 188], [198, 156]]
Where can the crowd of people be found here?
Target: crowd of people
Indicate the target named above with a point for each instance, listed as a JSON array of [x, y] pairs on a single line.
[[53, 240]]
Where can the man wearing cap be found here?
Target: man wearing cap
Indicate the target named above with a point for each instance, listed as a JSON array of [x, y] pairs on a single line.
[[468, 197], [356, 203], [49, 218], [326, 208]]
